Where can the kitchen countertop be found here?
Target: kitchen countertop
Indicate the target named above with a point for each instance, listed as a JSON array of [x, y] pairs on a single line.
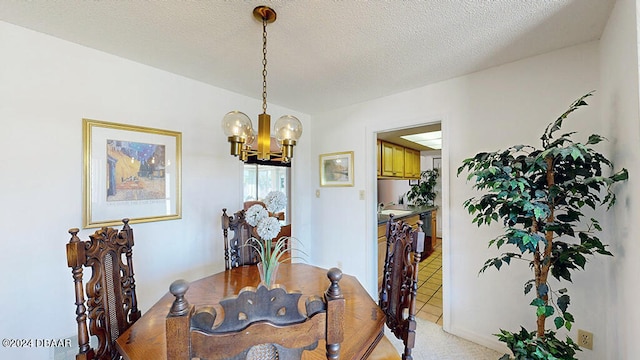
[[414, 210]]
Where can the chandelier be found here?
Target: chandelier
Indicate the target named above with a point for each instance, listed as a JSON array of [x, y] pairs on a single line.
[[237, 125]]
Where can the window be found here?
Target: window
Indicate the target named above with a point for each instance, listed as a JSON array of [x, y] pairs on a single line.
[[260, 179]]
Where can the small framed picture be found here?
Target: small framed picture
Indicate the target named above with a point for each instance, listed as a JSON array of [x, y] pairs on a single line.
[[413, 182], [437, 163], [336, 169]]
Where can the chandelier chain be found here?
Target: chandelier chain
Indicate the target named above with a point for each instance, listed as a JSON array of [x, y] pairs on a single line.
[[264, 65]]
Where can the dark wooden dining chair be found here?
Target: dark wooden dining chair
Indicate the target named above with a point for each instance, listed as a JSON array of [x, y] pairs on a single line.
[[111, 304], [250, 203], [399, 284], [258, 324], [237, 252]]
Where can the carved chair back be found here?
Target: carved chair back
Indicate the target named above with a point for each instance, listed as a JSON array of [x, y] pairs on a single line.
[[111, 303], [248, 204], [399, 284], [237, 251], [258, 324]]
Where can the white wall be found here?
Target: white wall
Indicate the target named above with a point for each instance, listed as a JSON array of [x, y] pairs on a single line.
[[619, 54], [46, 87], [485, 111]]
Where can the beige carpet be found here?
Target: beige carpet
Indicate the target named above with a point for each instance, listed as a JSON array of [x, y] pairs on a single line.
[[433, 343]]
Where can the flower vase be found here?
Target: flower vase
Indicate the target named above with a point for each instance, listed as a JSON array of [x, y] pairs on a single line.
[[268, 274]]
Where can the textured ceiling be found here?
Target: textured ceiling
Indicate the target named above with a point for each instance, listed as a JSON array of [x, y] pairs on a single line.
[[322, 54]]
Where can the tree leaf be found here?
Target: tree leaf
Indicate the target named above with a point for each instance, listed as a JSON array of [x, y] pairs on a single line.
[[620, 175], [568, 317], [595, 138], [563, 302], [537, 302], [548, 311], [528, 288]]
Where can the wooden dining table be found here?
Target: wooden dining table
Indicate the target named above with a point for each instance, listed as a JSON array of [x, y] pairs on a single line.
[[363, 319]]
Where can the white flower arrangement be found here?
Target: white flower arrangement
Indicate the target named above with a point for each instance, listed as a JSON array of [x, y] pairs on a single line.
[[255, 214], [275, 201], [268, 228]]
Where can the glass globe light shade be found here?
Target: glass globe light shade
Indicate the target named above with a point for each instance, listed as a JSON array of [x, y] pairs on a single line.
[[236, 123], [251, 138], [288, 127]]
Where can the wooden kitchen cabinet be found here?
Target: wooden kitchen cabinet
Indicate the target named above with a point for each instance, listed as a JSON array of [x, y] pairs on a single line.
[[412, 220], [387, 159], [411, 163], [396, 161]]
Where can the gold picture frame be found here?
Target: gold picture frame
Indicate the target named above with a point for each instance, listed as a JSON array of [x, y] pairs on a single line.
[[336, 169], [130, 172]]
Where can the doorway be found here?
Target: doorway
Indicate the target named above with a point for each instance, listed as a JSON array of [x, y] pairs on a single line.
[[392, 191]]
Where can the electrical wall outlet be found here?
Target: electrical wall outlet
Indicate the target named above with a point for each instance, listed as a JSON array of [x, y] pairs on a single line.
[[585, 339]]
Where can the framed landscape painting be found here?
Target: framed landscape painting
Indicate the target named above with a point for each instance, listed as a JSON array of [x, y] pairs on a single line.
[[336, 169], [130, 172]]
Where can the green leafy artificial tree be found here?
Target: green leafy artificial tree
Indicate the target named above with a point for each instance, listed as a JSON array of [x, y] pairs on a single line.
[[539, 195], [424, 194]]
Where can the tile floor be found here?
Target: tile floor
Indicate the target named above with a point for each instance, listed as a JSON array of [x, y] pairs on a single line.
[[429, 299]]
